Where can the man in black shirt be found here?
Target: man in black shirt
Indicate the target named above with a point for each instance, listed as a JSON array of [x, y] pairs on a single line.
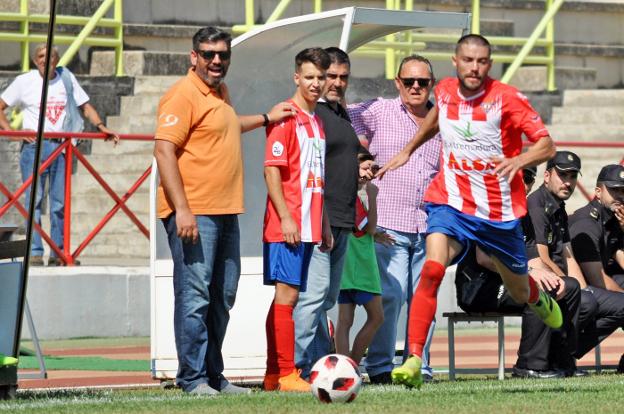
[[597, 232], [547, 210], [341, 174], [480, 289]]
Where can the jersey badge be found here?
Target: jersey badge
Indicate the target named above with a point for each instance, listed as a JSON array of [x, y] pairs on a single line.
[[487, 106], [277, 149]]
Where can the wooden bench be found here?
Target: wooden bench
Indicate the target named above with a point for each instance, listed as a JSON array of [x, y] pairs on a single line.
[[499, 319]]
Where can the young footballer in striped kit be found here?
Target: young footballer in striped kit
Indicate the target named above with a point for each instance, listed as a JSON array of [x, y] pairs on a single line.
[[294, 221]]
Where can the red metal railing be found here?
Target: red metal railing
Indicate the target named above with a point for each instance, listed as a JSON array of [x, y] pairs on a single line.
[[69, 257], [66, 255]]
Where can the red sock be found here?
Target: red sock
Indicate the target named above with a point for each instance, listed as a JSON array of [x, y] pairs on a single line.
[[284, 339], [271, 362], [533, 291], [423, 306]]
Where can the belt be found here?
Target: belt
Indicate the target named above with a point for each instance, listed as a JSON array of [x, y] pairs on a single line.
[[57, 140]]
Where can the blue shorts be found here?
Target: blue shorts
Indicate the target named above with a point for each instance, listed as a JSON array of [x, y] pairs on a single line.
[[287, 264], [355, 296], [503, 240]]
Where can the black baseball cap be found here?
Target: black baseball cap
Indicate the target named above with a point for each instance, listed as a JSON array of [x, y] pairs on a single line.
[[611, 176], [565, 161]]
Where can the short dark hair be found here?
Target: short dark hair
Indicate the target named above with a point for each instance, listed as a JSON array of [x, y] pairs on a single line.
[[416, 58], [315, 55], [338, 56], [364, 155], [211, 34], [475, 39]]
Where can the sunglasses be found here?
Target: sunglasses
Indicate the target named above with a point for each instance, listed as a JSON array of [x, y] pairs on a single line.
[[409, 82], [210, 54]]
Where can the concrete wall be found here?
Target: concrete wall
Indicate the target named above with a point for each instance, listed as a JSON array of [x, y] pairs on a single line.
[[115, 301], [89, 301]]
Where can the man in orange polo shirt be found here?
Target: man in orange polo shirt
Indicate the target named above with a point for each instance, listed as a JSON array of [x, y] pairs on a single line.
[[198, 150]]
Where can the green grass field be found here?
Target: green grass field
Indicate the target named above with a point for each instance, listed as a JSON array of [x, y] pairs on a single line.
[[596, 394]]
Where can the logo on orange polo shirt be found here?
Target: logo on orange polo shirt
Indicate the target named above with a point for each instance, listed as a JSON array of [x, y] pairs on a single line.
[[168, 120]]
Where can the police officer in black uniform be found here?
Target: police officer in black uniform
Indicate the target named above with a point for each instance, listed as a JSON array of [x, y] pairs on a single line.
[[598, 236], [480, 289], [597, 233], [550, 221]]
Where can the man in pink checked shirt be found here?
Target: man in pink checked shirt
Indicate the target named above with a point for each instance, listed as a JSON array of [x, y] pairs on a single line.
[[388, 125]]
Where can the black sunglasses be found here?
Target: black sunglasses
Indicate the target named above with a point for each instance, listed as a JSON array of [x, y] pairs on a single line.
[[409, 82], [210, 54]]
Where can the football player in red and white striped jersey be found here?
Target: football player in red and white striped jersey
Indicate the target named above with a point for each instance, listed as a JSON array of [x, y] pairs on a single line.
[[478, 195], [294, 219]]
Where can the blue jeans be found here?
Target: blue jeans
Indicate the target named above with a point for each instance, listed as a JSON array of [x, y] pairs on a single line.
[[399, 268], [310, 315], [205, 279], [55, 176]]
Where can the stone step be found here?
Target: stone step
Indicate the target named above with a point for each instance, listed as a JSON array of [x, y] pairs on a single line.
[[120, 183], [534, 78], [125, 147], [595, 158], [582, 132], [497, 27], [567, 78], [119, 238], [594, 98], [611, 115], [153, 84], [130, 124], [132, 164], [86, 203], [140, 62], [143, 104], [120, 224], [104, 245]]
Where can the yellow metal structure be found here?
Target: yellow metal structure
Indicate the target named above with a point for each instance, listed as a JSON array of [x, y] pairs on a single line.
[[394, 47], [85, 37]]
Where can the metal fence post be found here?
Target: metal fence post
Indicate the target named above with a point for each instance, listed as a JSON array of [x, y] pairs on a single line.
[[475, 27], [25, 29], [69, 260], [118, 17]]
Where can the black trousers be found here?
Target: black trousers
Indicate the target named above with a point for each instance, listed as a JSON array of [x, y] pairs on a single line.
[[540, 346], [608, 310], [619, 279]]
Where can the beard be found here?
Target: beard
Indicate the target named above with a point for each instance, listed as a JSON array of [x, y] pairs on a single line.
[[211, 81], [470, 88]]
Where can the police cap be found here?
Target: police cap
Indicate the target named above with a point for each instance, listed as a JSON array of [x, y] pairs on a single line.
[[565, 161], [611, 176]]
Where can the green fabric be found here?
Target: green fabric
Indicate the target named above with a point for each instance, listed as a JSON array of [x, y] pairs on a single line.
[[85, 364], [360, 268]]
